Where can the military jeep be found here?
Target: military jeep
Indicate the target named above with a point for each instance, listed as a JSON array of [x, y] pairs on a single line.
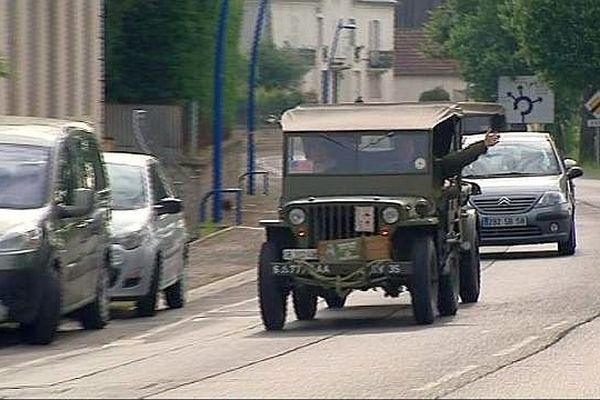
[[365, 206]]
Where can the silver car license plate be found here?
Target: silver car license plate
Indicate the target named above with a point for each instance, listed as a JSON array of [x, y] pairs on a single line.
[[503, 221]]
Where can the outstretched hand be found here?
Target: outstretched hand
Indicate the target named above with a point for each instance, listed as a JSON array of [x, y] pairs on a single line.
[[491, 138]]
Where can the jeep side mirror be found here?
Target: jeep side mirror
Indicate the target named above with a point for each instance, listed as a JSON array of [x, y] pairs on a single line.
[[569, 163], [574, 172], [83, 202], [168, 205]]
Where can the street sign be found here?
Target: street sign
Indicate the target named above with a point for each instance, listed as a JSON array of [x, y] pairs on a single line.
[[593, 123], [593, 104], [526, 100]]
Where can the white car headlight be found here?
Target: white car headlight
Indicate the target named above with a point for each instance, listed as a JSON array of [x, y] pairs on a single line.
[[21, 240], [552, 198], [390, 215], [297, 216], [131, 240]]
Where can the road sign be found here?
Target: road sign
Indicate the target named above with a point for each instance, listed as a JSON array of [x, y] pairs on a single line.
[[526, 100], [593, 104], [593, 123]]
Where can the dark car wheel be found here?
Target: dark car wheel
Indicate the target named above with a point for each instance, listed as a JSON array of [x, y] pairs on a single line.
[[271, 291], [424, 288], [146, 305], [568, 247], [42, 329], [305, 303], [448, 290], [470, 273], [96, 314], [175, 294]]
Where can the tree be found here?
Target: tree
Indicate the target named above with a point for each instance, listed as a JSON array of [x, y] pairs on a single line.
[[3, 68], [473, 32], [280, 67], [436, 94], [561, 42]]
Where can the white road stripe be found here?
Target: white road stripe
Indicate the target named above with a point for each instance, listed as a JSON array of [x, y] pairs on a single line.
[[556, 325], [516, 346], [447, 378]]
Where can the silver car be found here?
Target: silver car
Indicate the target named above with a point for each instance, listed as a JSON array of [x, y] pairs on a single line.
[[527, 194], [149, 237]]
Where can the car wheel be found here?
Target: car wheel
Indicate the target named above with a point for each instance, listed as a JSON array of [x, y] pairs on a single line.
[[470, 273], [305, 303], [96, 314], [42, 329], [272, 293], [146, 305], [334, 300], [448, 290], [424, 288], [568, 247]]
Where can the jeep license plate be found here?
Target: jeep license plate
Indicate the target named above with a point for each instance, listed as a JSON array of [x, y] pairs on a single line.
[[503, 221], [300, 254]]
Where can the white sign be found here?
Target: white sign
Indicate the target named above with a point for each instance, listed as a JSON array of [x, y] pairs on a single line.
[[526, 100], [364, 219], [593, 105], [593, 123]]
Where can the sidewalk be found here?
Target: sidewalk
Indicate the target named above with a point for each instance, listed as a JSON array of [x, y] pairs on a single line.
[[235, 250]]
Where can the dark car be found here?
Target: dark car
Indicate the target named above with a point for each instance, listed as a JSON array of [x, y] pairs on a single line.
[[54, 215], [527, 194]]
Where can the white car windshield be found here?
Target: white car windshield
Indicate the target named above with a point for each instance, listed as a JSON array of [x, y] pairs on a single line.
[[515, 158], [23, 176], [128, 186]]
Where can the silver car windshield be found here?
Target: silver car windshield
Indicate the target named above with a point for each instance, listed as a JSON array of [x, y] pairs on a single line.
[[24, 172], [358, 153], [128, 186], [515, 158]]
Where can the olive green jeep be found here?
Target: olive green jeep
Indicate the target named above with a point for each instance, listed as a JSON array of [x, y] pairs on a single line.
[[365, 206]]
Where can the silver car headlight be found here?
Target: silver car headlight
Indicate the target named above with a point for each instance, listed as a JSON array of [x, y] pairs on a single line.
[[21, 240], [552, 198], [297, 216], [390, 215]]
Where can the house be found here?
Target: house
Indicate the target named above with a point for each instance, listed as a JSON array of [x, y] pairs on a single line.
[[362, 66], [414, 73], [54, 52]]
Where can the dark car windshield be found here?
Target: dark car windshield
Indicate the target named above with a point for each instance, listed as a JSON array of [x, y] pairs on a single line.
[[128, 186], [358, 153], [515, 158], [24, 172]]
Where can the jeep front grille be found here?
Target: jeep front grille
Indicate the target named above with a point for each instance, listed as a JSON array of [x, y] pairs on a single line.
[[330, 222], [504, 204]]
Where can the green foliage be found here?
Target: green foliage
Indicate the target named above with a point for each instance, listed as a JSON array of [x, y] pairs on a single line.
[[280, 67], [275, 100], [4, 70], [436, 94], [473, 32]]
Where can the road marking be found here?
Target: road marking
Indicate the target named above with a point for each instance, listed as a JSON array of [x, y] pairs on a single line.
[[122, 342], [556, 325], [516, 346], [447, 378]]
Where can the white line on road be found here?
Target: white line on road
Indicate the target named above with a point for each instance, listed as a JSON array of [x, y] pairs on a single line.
[[556, 325], [447, 378], [516, 346]]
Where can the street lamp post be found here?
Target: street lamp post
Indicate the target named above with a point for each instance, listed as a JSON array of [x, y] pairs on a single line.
[[329, 72]]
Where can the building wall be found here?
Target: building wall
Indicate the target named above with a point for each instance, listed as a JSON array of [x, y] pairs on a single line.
[[409, 88], [54, 51]]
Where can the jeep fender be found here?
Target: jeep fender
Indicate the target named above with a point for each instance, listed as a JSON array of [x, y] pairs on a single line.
[[278, 232]]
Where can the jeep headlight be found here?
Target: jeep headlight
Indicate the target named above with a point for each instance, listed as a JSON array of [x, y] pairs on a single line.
[[131, 240], [21, 240], [297, 216], [390, 215], [423, 207], [552, 198]]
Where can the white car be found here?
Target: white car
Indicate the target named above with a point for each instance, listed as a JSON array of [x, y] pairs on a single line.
[[149, 237]]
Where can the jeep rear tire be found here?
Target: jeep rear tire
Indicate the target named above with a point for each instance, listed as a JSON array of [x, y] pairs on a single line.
[[42, 329], [470, 273], [272, 292], [305, 303], [424, 288], [449, 287]]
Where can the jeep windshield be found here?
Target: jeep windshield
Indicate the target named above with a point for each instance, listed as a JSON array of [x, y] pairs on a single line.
[[358, 153], [23, 176], [514, 158]]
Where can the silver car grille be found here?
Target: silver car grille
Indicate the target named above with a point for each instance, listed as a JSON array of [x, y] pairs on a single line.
[[505, 204], [333, 221]]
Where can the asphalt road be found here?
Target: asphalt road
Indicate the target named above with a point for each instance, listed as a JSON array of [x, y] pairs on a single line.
[[533, 334]]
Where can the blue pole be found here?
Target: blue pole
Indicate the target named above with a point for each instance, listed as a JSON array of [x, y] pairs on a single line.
[[251, 168], [218, 109]]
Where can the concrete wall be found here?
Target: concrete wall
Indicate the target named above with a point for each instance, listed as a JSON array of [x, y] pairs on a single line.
[[409, 88], [54, 50]]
